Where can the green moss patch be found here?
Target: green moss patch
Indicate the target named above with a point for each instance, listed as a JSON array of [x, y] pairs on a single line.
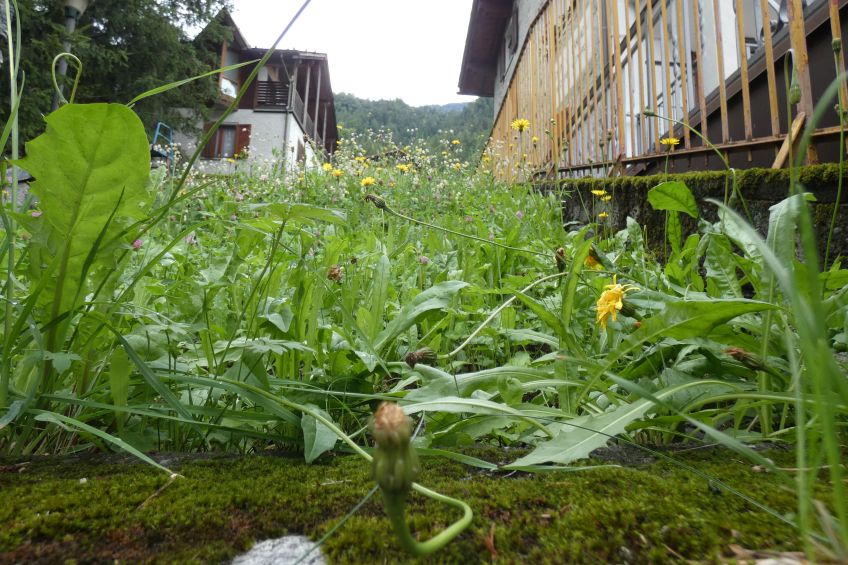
[[650, 513]]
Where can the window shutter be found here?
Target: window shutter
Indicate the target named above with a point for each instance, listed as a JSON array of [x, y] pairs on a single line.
[[209, 148], [242, 138]]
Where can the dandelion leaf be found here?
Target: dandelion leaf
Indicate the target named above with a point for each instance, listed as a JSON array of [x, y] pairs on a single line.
[[91, 168]]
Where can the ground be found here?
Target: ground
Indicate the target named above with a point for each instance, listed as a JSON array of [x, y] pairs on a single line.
[[105, 508]]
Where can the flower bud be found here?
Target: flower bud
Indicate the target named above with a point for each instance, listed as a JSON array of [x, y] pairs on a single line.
[[395, 462], [376, 201], [425, 354]]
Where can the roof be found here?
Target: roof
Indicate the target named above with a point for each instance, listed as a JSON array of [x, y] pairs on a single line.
[[482, 43]]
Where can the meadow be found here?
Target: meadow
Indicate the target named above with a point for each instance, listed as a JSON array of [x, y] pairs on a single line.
[[277, 307]]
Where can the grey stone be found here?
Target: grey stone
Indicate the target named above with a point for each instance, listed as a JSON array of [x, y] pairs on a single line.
[[282, 551]]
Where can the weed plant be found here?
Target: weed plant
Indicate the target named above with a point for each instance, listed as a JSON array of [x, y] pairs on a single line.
[[277, 308]]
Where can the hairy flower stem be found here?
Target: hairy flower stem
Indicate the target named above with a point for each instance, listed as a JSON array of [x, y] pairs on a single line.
[[381, 204]]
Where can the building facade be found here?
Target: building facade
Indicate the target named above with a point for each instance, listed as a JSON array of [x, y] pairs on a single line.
[[602, 83], [286, 116]]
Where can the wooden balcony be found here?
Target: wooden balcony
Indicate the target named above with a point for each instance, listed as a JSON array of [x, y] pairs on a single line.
[[588, 69]]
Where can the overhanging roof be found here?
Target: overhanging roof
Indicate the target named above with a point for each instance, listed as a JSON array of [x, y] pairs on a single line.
[[482, 43]]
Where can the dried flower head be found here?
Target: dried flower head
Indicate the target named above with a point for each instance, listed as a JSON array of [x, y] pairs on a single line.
[[334, 273], [423, 355], [376, 201]]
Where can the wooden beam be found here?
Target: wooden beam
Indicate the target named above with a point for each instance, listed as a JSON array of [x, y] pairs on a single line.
[[790, 141]]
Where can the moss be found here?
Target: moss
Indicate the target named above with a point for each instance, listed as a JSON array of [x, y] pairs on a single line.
[[652, 513], [816, 178]]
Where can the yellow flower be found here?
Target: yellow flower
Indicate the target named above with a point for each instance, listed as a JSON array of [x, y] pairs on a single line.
[[599, 192], [360, 159], [327, 167], [670, 142], [591, 262], [368, 181], [403, 168], [606, 197], [337, 173], [603, 216], [611, 301], [535, 140], [457, 166], [339, 127], [455, 142], [520, 124]]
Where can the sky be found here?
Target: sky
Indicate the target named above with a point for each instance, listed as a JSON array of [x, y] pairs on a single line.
[[376, 49]]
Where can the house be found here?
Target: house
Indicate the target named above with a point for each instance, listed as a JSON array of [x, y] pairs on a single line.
[[583, 73], [287, 114]]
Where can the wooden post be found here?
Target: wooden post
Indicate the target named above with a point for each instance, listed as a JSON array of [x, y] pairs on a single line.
[[324, 128], [306, 94], [801, 61], [772, 80], [743, 68], [317, 105], [722, 80]]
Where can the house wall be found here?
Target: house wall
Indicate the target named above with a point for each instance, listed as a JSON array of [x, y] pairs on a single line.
[[267, 141], [526, 10]]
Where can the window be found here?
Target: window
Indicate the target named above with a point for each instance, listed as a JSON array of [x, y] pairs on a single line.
[[229, 141]]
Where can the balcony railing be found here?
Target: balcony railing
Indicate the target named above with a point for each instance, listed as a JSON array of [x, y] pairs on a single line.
[[589, 68]]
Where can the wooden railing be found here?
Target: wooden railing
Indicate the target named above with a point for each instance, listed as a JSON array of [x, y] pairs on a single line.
[[589, 69]]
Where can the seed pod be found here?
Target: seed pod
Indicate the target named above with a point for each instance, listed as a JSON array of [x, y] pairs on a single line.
[[836, 44], [560, 259], [794, 89], [334, 273]]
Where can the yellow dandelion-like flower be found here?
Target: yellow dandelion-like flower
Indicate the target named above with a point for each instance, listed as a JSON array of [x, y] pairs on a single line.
[[339, 127], [360, 159], [606, 197], [535, 140], [603, 216], [456, 142], [457, 166], [670, 142], [337, 173], [327, 167], [368, 181], [486, 158], [402, 168], [599, 192], [520, 124], [591, 262], [612, 301]]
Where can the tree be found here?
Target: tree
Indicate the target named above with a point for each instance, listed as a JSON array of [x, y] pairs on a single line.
[[126, 47]]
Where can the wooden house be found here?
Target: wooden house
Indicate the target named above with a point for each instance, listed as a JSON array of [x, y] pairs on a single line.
[[603, 82], [287, 112]]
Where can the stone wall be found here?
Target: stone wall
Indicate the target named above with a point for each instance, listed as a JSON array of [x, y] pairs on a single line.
[[761, 188]]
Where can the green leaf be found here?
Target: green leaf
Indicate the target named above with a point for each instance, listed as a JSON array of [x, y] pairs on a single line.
[[720, 265], [119, 376], [317, 438], [436, 297], [91, 163], [694, 318], [673, 196], [70, 423], [61, 360], [783, 224]]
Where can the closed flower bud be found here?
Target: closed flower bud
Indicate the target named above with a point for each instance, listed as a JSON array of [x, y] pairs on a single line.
[[376, 201], [395, 462], [747, 358]]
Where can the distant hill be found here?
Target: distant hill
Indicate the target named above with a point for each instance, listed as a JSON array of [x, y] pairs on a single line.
[[469, 122]]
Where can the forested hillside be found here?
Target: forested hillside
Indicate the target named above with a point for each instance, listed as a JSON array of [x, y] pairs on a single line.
[[436, 125]]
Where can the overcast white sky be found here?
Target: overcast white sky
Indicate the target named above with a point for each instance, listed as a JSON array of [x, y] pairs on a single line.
[[377, 49]]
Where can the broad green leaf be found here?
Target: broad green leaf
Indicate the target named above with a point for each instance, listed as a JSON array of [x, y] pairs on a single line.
[[720, 265], [119, 376], [379, 294], [317, 438], [61, 360], [783, 223], [436, 297], [686, 319], [580, 436], [91, 166], [673, 196]]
